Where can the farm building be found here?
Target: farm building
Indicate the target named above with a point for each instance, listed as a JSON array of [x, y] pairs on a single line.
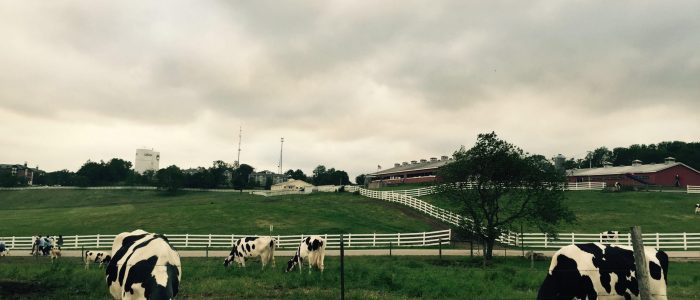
[[668, 173], [413, 172], [292, 185], [266, 177], [20, 171]]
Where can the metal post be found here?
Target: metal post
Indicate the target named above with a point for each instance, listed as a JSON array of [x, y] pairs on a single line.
[[640, 263], [440, 247], [389, 248], [207, 251], [342, 268]]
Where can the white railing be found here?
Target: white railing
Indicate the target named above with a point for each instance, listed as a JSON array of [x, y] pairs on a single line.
[[364, 240], [683, 241], [669, 241], [693, 189], [585, 186]]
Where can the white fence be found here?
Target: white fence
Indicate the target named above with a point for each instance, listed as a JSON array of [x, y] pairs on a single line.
[[585, 186], [693, 189], [682, 241], [104, 241]]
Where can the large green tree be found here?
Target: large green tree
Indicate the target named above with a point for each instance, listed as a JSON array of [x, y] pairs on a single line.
[[497, 185], [170, 179]]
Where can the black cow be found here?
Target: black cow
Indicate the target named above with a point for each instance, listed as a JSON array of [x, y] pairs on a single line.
[[600, 271], [143, 266]]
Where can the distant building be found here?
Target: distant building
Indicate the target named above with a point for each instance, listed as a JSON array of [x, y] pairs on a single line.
[[146, 160], [292, 185], [261, 178], [21, 171], [668, 173], [414, 172]]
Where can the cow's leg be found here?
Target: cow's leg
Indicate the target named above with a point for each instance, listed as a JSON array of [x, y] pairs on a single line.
[[322, 257]]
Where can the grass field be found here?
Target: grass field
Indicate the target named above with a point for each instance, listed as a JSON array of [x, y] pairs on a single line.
[[600, 211], [71, 212], [365, 278]]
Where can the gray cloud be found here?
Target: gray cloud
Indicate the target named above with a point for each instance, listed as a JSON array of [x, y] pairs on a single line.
[[387, 80]]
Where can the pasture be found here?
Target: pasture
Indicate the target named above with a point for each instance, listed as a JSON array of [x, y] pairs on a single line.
[[385, 277], [598, 211], [25, 213]]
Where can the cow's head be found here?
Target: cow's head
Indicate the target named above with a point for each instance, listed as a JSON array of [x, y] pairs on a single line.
[[293, 262], [106, 259]]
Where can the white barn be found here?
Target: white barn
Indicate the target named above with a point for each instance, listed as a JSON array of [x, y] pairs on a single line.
[[292, 185]]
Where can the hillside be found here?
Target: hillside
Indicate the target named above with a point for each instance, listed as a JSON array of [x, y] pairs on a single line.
[[600, 211], [112, 211]]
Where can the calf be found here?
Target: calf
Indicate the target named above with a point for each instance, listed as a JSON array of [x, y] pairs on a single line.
[[313, 247], [610, 236], [96, 257], [599, 271], [252, 247], [697, 208], [143, 266], [3, 249]]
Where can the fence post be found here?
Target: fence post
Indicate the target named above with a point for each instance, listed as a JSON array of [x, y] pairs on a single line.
[[573, 240], [207, 251], [522, 246], [545, 240], [657, 240], [342, 268], [349, 239], [398, 243], [374, 240], [98, 241], [209, 244], [440, 247], [390, 248], [76, 241], [187, 240], [640, 263], [685, 241], [423, 238], [13, 241]]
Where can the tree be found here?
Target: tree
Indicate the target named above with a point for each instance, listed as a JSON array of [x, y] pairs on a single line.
[[507, 186], [298, 174], [323, 176], [360, 179], [170, 179], [240, 176]]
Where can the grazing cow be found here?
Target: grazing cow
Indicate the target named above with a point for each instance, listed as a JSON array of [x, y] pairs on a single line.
[[96, 257], [697, 208], [143, 266], [599, 271], [3, 249], [610, 237], [252, 247], [313, 247]]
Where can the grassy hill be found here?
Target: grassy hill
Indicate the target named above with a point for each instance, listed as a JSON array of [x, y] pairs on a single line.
[[600, 211], [112, 211]]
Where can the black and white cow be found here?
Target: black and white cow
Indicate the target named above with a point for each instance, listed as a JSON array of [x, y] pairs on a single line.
[[610, 237], [3, 249], [251, 247], [313, 248], [143, 266], [96, 257], [697, 208], [600, 271]]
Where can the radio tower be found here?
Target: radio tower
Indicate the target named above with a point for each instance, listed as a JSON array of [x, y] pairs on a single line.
[[240, 136], [281, 146]]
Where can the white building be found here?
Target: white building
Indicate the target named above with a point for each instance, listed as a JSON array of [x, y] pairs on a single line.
[[146, 159], [292, 185]]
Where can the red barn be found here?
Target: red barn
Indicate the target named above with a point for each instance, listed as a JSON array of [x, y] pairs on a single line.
[[669, 173], [413, 172]]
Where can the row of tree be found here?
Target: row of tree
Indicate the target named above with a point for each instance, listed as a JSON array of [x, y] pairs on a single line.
[[116, 172], [687, 153]]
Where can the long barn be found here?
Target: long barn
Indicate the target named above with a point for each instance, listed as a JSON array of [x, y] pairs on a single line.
[[669, 173]]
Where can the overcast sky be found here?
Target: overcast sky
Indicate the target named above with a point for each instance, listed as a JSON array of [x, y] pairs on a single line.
[[348, 84]]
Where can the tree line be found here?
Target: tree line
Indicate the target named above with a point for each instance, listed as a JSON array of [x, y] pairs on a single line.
[[119, 172], [687, 153]]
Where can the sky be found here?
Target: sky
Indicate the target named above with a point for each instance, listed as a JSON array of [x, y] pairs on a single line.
[[349, 84]]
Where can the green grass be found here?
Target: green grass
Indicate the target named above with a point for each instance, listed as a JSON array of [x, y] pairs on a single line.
[[600, 211], [365, 278], [71, 212]]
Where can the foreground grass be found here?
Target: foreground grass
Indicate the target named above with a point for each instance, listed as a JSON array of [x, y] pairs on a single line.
[[600, 211], [365, 278], [71, 212]]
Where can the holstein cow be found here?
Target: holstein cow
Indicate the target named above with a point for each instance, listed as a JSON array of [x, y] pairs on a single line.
[[599, 271], [697, 208], [143, 266], [313, 247], [610, 236], [3, 249], [252, 247], [96, 257]]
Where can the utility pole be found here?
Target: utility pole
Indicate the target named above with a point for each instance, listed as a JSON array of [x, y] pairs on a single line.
[[281, 147]]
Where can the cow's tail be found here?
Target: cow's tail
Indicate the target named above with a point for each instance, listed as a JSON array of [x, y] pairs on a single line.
[[273, 245]]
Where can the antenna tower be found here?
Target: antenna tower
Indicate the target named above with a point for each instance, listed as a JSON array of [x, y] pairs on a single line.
[[240, 136], [281, 146]]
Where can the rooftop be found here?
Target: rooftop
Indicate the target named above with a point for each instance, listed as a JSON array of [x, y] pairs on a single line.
[[417, 166], [633, 169]]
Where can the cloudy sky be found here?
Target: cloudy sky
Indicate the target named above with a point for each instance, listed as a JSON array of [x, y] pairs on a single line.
[[348, 84]]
